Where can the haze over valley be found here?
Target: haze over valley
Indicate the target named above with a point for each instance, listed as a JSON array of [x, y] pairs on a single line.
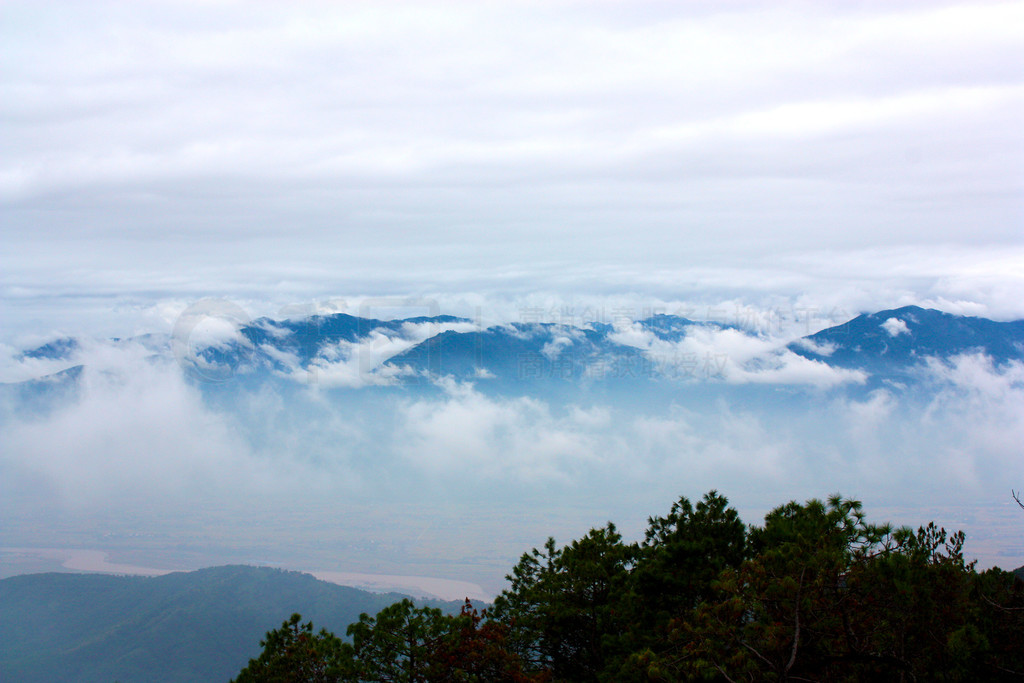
[[338, 443]]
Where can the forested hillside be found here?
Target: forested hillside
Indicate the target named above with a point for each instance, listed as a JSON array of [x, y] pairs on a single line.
[[186, 626]]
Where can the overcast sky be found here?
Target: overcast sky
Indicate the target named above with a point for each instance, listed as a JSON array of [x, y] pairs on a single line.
[[860, 155]]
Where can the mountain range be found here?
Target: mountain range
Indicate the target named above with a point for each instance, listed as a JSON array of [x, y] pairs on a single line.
[[347, 352]]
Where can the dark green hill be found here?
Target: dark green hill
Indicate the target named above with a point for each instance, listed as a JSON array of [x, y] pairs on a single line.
[[186, 626]]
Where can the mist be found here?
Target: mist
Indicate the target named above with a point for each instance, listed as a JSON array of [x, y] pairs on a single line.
[[453, 479]]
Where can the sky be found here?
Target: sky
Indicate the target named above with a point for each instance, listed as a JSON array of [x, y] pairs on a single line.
[[790, 163], [834, 156]]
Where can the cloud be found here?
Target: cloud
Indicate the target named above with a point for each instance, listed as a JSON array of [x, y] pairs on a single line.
[[957, 437], [354, 365], [526, 444], [722, 447], [498, 439], [552, 349], [509, 149], [363, 362], [988, 402], [821, 349], [895, 327], [142, 438], [731, 355], [137, 432]]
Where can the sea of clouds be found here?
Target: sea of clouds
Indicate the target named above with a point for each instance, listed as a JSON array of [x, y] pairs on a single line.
[[142, 440]]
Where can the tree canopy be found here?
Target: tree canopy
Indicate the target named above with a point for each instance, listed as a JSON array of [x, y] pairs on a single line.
[[814, 593]]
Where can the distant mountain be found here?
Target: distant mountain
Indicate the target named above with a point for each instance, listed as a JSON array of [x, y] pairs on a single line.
[[42, 394], [884, 344], [902, 338], [186, 626], [344, 351], [283, 346], [307, 338], [523, 352], [675, 328], [55, 350]]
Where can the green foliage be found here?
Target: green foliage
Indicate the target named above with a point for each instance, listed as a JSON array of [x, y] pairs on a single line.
[[406, 644], [401, 644], [683, 552], [816, 593], [564, 607], [785, 611], [828, 597], [294, 654], [395, 646]]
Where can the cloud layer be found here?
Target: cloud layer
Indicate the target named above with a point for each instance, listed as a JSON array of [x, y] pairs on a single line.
[[157, 151], [486, 474]]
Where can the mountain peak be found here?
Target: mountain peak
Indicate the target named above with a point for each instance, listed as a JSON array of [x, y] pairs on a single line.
[[904, 337]]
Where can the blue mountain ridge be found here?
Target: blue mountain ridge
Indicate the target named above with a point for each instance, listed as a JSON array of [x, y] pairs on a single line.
[[902, 338], [307, 337], [58, 349], [525, 352], [675, 328], [304, 340], [887, 344]]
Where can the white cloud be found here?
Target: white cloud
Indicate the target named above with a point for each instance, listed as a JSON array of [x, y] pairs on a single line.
[[141, 435], [137, 432], [975, 376], [895, 327], [721, 447], [821, 349], [20, 369], [363, 362], [731, 355], [355, 364], [958, 436], [493, 439], [553, 349], [148, 139]]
